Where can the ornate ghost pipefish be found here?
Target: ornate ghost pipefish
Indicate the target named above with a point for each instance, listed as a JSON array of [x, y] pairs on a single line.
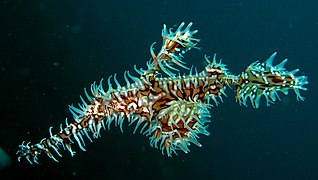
[[171, 109]]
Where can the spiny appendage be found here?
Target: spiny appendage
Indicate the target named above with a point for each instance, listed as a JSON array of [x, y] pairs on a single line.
[[179, 125], [218, 72], [264, 79], [174, 45], [46, 145], [89, 117]]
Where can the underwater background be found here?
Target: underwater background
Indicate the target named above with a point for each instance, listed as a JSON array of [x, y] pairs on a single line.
[[50, 50]]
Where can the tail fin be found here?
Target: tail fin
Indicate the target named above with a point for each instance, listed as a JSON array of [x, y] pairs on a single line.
[[264, 79]]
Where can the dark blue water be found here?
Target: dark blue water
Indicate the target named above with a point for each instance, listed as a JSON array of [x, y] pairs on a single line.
[[51, 50]]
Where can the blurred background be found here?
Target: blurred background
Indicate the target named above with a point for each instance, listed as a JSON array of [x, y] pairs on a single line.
[[50, 50]]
